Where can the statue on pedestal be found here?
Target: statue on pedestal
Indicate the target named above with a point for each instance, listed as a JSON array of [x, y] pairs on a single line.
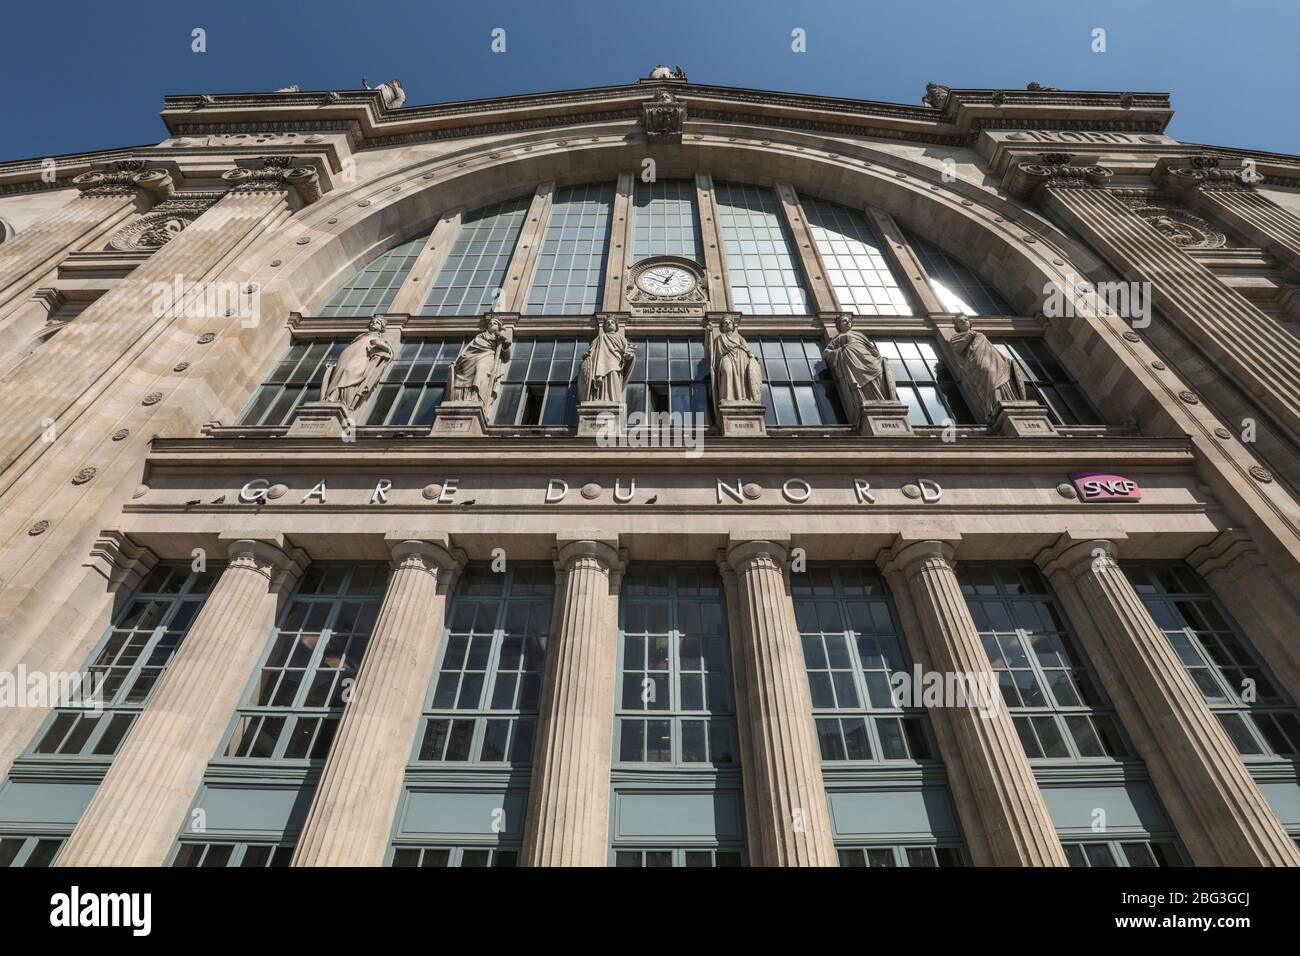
[[861, 369], [990, 375], [476, 373], [353, 377], [737, 374], [606, 366]]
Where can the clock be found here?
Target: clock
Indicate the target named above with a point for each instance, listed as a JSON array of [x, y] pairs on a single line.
[[665, 281]]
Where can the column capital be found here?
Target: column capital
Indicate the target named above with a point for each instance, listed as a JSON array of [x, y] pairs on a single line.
[[605, 552], [120, 559], [269, 554], [1023, 180], [1231, 546], [126, 177], [905, 553], [1184, 174], [743, 552], [275, 174], [1077, 552], [433, 554]]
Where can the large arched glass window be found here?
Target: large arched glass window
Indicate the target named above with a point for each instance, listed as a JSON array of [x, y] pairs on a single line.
[[765, 278], [373, 287], [958, 287], [855, 260], [666, 221], [470, 281], [570, 275]]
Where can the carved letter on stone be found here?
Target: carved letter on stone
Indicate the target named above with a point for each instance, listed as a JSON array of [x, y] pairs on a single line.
[[606, 366], [359, 368]]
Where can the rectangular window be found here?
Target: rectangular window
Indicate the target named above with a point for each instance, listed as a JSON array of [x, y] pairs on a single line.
[[1260, 720], [29, 851], [470, 281], [925, 385], [295, 379], [438, 856], [894, 856], [540, 384], [570, 274], [676, 704], [130, 660], [233, 854], [665, 221], [1146, 853], [414, 383], [372, 289], [679, 856], [484, 697], [959, 289], [854, 257], [761, 262], [670, 375], [851, 649], [1049, 381], [798, 385], [293, 707], [1057, 709]]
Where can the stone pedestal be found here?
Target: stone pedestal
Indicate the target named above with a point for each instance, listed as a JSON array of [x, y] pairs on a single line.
[[139, 808], [793, 826], [351, 815], [320, 420], [568, 799], [1017, 825], [883, 420], [741, 419], [601, 418], [1022, 420], [1235, 817], [460, 419]]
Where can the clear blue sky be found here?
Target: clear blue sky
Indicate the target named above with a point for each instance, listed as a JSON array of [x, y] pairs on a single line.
[[81, 75]]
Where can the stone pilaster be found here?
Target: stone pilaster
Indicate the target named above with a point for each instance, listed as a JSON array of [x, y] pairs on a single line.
[[1016, 823], [568, 800], [1236, 819], [351, 815], [514, 288], [792, 825], [620, 245], [901, 256], [1253, 595], [715, 262], [821, 295], [410, 298], [140, 806]]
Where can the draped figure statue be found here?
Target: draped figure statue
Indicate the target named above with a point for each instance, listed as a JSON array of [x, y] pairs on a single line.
[[476, 373], [351, 379], [989, 374], [862, 370], [606, 366], [737, 374]]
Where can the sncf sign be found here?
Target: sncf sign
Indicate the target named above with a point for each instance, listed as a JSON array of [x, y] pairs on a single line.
[[1095, 486]]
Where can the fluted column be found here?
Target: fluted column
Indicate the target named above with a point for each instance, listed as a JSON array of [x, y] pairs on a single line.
[[351, 815], [1235, 817], [140, 806], [1260, 603], [1017, 825], [793, 825], [568, 799]]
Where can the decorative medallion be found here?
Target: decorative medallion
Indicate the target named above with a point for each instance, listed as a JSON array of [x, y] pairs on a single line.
[[1132, 336], [83, 476], [667, 285], [1188, 397], [153, 398], [206, 337], [1158, 366], [121, 433], [140, 491], [911, 490], [1066, 490], [429, 492], [39, 528], [1223, 432], [751, 490], [1181, 226], [1261, 474], [591, 489], [278, 490], [153, 230], [180, 366]]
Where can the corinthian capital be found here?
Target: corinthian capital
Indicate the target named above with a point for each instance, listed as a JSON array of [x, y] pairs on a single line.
[[273, 174], [1023, 180], [126, 177], [1183, 174]]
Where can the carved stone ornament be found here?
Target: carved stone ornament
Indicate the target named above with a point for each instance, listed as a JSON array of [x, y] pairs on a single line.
[[665, 72], [667, 285], [113, 179], [351, 379], [39, 528], [1180, 226], [83, 476], [936, 95], [475, 376], [1181, 174], [1066, 490], [121, 433], [274, 174], [1261, 474], [153, 398], [1057, 169], [663, 116], [153, 230], [736, 371]]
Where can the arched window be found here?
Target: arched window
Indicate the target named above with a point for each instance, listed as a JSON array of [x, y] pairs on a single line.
[[855, 261], [470, 281], [373, 287], [959, 289], [761, 261]]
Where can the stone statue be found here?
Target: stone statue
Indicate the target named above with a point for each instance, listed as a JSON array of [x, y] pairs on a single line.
[[737, 374], [476, 373], [292, 88], [665, 72], [860, 367], [988, 373], [391, 92], [606, 366], [351, 379]]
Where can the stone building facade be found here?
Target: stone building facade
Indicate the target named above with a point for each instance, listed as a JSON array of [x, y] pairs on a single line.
[[654, 475]]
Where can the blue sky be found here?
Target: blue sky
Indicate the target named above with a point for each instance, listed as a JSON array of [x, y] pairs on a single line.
[[80, 75]]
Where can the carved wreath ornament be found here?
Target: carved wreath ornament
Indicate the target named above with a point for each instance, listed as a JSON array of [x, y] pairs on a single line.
[[151, 231]]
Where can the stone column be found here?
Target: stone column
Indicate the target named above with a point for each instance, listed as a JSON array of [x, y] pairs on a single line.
[[568, 799], [1017, 826], [352, 812], [1235, 817], [140, 806], [1265, 609], [745, 729], [106, 198], [793, 825]]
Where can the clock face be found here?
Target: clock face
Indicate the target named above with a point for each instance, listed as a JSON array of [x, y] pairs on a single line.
[[666, 280]]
